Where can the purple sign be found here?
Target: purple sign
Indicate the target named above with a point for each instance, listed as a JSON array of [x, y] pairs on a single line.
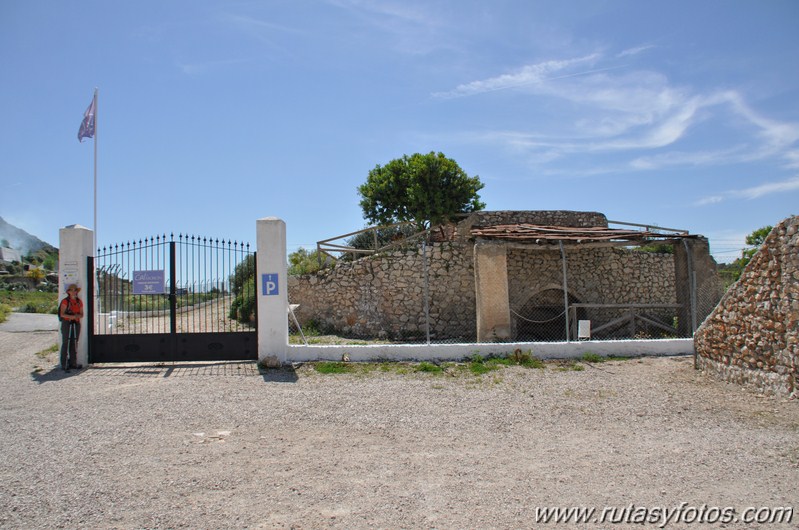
[[149, 282]]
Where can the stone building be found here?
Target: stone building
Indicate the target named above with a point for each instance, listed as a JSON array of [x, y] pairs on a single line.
[[752, 336], [499, 276], [9, 255]]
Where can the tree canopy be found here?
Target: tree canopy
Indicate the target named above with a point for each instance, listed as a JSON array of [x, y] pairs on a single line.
[[732, 271], [755, 240], [424, 189], [303, 261]]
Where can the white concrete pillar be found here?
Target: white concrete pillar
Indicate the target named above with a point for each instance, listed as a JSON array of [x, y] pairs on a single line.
[[272, 291], [76, 243]]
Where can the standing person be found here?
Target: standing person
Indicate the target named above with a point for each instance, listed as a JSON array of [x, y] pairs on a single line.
[[70, 311]]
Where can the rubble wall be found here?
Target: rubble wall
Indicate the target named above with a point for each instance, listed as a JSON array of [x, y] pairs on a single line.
[[752, 336], [383, 296]]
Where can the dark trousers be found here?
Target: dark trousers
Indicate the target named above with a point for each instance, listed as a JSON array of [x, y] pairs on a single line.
[[71, 343]]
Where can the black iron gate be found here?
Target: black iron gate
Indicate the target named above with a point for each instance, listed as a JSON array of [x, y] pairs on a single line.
[[159, 299]]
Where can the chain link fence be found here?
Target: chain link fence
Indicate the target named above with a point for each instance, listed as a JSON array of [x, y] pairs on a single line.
[[425, 293]]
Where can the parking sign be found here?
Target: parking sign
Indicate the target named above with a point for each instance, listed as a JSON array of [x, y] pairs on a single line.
[[270, 285]]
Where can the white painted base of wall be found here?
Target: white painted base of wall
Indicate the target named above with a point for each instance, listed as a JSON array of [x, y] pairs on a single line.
[[457, 352]]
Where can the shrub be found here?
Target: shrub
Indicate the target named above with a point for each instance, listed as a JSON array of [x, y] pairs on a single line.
[[526, 359], [303, 261], [532, 362], [30, 301], [429, 368], [243, 306], [5, 310], [331, 367], [479, 366], [593, 358], [311, 329]]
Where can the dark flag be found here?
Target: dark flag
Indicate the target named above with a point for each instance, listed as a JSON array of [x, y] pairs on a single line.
[[87, 125]]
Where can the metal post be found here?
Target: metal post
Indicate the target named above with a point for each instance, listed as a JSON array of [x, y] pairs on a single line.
[[691, 295], [565, 290], [254, 284], [96, 134], [694, 324], [426, 289], [173, 294], [90, 296], [691, 284]]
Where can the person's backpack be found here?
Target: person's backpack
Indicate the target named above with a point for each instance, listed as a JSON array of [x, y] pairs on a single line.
[[68, 310]]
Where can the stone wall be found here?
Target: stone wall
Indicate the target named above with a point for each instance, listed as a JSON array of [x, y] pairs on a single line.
[[534, 217], [752, 337], [383, 296], [599, 275], [595, 276]]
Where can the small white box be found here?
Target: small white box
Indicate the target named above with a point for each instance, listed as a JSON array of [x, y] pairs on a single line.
[[583, 329]]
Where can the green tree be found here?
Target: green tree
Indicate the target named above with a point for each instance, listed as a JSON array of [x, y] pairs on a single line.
[[384, 236], [242, 283], [50, 262], [732, 271], [243, 272], [755, 240], [303, 261], [425, 189]]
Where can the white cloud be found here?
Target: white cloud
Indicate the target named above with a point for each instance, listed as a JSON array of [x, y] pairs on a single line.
[[525, 76], [635, 51], [250, 23], [755, 192], [713, 199], [631, 113], [398, 11], [412, 29], [688, 158], [792, 158], [769, 188]]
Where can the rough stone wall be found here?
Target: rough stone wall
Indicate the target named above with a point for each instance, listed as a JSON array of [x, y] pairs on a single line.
[[594, 276], [535, 217], [383, 296], [752, 337]]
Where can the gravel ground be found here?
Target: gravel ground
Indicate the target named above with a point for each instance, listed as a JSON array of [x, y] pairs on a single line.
[[225, 446]]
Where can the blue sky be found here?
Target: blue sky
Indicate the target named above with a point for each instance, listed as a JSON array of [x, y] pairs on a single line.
[[213, 114]]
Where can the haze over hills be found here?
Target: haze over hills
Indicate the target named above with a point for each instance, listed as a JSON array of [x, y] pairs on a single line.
[[19, 239]]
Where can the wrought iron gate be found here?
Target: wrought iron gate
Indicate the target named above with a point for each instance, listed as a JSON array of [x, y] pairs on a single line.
[[159, 299]]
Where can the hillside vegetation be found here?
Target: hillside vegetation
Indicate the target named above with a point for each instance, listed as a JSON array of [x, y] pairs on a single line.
[[28, 284]]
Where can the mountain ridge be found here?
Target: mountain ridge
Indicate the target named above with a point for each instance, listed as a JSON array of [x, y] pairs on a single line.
[[24, 242]]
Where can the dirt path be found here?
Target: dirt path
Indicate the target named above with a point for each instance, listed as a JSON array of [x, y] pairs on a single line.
[[226, 446]]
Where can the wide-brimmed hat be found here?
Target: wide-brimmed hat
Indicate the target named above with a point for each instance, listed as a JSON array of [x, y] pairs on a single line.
[[73, 286]]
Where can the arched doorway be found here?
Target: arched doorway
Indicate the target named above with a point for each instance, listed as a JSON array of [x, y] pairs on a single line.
[[543, 318]]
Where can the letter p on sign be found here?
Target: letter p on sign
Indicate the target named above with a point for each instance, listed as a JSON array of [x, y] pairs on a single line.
[[269, 282]]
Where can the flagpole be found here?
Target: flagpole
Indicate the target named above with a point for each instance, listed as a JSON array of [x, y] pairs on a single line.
[[96, 130]]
